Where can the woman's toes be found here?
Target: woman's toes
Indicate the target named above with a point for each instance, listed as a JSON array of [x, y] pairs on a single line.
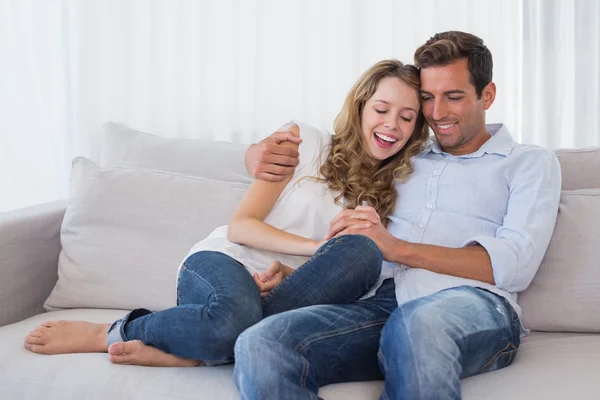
[[124, 359], [34, 340], [116, 348]]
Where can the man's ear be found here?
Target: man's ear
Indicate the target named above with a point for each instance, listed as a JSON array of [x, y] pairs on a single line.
[[488, 94]]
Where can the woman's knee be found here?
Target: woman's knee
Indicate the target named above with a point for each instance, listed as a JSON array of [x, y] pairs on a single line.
[[225, 292], [363, 255]]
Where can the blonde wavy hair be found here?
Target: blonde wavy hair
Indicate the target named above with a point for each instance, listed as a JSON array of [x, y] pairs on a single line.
[[349, 169]]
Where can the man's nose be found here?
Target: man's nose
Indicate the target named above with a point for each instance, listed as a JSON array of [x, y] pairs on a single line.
[[440, 111]]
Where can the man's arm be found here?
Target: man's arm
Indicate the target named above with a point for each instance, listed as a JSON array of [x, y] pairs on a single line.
[[509, 259], [472, 262], [270, 160]]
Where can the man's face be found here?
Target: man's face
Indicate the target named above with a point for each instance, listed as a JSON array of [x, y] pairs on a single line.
[[452, 108]]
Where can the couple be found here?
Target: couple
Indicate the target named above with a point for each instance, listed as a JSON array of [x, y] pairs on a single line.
[[467, 233]]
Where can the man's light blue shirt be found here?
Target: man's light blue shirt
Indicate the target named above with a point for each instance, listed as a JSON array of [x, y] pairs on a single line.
[[503, 197]]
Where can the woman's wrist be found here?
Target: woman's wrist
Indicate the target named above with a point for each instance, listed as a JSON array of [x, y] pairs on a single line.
[[316, 245]]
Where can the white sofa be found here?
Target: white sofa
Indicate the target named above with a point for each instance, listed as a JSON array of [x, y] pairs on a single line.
[[117, 242]]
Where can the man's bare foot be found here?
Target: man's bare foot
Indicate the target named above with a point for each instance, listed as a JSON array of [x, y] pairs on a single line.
[[135, 352], [59, 337]]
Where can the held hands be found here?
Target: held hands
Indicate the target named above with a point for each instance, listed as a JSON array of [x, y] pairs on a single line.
[[361, 217], [364, 221], [269, 160], [271, 277]]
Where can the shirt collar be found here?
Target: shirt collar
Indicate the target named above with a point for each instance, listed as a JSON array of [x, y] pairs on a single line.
[[500, 143]]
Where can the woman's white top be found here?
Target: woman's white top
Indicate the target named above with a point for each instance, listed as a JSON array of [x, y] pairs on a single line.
[[304, 208]]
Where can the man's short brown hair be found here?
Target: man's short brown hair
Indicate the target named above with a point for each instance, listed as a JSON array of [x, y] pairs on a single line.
[[446, 47]]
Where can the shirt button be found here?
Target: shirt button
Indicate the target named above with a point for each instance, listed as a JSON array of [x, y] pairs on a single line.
[[436, 173], [421, 225], [430, 206]]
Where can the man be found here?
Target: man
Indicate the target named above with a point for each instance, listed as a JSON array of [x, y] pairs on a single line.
[[468, 233]]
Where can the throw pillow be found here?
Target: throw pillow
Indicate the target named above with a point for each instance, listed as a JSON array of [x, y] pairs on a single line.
[[126, 231], [565, 293]]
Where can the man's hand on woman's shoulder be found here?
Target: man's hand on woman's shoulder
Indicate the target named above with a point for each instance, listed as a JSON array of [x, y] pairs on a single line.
[[270, 160]]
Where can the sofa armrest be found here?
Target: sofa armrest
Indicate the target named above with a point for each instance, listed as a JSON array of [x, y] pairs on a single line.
[[29, 250]]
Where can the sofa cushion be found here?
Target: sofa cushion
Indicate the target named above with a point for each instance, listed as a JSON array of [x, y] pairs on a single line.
[[579, 168], [548, 366], [126, 147], [25, 375], [565, 293], [126, 231]]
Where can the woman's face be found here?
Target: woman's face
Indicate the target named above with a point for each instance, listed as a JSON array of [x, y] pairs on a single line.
[[388, 118]]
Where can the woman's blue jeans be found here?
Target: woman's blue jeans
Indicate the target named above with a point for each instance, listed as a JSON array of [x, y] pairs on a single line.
[[217, 298]]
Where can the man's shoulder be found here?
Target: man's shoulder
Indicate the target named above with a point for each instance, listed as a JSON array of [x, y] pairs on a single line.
[[532, 152], [530, 160]]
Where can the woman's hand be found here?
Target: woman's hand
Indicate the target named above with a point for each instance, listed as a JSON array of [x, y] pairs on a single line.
[[362, 217], [271, 277]]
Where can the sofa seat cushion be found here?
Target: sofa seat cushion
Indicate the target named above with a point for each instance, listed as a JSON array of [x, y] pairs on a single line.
[[548, 366], [25, 375]]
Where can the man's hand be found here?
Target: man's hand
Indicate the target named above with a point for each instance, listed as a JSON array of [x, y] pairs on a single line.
[[269, 161], [361, 217], [365, 221], [271, 277]]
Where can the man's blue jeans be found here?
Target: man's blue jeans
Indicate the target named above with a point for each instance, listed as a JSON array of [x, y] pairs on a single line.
[[427, 345], [217, 298]]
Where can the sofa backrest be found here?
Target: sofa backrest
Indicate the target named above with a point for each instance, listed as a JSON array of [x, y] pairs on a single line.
[[564, 296], [565, 293], [580, 168]]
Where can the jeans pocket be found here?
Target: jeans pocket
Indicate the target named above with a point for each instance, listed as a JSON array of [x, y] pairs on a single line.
[[501, 359]]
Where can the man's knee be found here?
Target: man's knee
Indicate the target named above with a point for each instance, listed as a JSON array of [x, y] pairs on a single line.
[[419, 326]]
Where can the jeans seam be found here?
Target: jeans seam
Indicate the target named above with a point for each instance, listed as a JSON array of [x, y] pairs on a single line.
[[214, 292], [337, 332], [329, 245], [383, 364], [495, 356], [183, 268], [414, 361]]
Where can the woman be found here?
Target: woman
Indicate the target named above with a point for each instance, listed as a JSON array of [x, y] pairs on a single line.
[[378, 130]]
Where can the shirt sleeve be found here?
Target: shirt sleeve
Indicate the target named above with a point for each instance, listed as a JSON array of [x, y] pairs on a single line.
[[519, 245]]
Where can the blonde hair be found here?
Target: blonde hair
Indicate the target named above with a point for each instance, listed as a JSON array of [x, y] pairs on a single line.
[[348, 168]]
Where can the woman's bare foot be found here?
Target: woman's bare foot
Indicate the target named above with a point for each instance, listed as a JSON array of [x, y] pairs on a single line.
[[135, 352], [59, 337]]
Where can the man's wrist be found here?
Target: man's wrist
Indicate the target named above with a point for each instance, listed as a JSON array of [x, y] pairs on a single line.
[[400, 251]]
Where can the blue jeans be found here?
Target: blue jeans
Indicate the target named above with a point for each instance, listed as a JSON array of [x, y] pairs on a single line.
[[430, 343], [427, 345], [217, 298]]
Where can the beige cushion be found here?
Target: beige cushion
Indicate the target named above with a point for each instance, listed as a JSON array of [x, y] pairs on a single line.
[[548, 366], [580, 168], [126, 147], [28, 376], [565, 293], [126, 231]]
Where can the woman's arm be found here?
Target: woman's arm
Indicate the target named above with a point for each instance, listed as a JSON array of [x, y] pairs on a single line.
[[247, 226]]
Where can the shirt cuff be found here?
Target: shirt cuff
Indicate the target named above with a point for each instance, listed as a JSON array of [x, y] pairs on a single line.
[[503, 258]]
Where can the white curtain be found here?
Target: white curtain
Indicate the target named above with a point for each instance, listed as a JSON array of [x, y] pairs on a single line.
[[561, 73], [235, 70]]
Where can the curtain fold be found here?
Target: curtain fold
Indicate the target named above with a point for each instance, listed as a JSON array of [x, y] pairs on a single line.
[[235, 70]]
